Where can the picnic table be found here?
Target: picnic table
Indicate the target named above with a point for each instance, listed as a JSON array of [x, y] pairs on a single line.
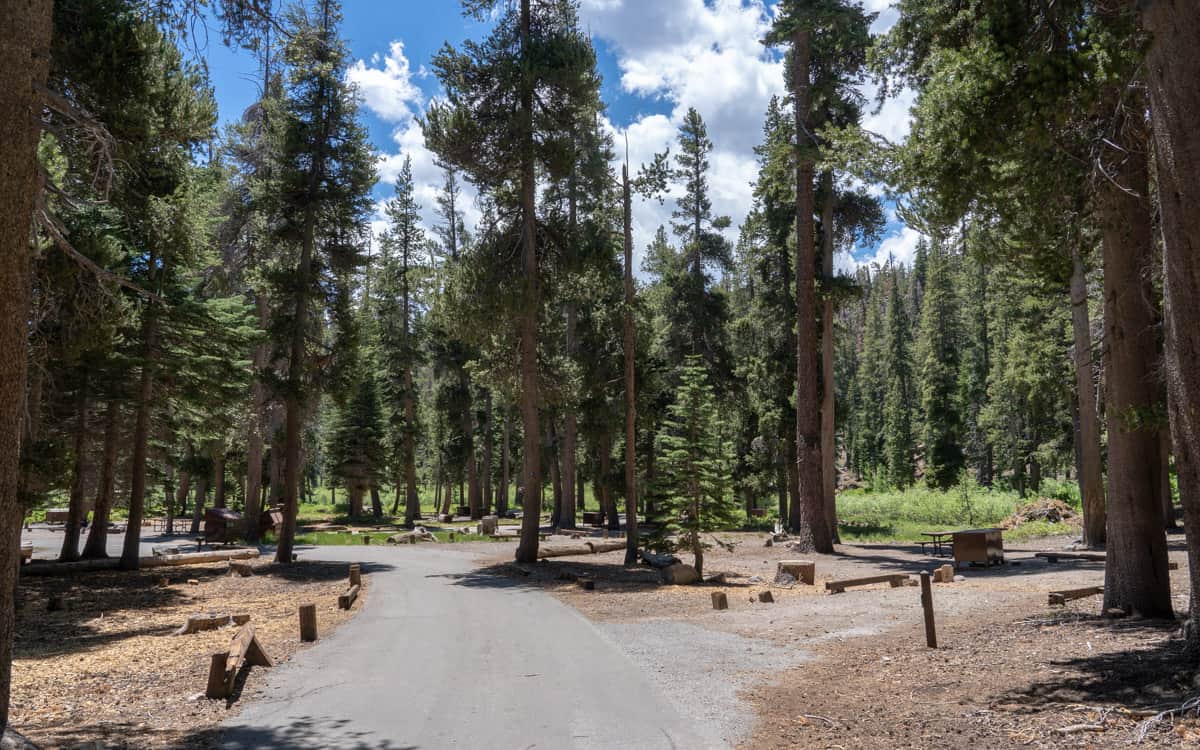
[[941, 541]]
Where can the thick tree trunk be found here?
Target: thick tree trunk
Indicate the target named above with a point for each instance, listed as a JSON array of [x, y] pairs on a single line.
[[376, 503], [807, 519], [1091, 482], [181, 496], [97, 541], [609, 503], [1164, 479], [631, 532], [556, 484], [474, 500], [506, 455], [1135, 576], [219, 476], [198, 504], [255, 424], [24, 62], [75, 511], [486, 467], [1172, 70], [828, 451], [449, 497], [531, 470], [131, 551]]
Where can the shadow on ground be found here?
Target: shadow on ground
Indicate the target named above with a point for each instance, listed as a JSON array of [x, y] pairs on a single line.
[[1151, 675]]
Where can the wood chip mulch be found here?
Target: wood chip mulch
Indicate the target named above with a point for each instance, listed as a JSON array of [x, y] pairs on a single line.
[[107, 669]]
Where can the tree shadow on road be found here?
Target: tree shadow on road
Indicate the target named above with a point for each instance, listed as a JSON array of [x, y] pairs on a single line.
[[303, 733]]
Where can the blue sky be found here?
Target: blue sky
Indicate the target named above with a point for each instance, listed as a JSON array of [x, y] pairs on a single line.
[[657, 58]]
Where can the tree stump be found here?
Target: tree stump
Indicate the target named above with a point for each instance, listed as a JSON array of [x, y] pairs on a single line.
[[804, 571], [242, 569], [720, 600], [355, 574], [766, 597], [679, 574], [308, 622]]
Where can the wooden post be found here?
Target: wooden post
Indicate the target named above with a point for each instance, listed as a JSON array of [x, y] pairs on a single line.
[[766, 597], [355, 574], [927, 605], [217, 686], [347, 599], [308, 622], [720, 600], [366, 538]]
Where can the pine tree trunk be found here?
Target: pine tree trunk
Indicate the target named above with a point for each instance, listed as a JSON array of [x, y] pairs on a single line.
[[412, 500], [631, 532], [1135, 575], [502, 502], [828, 452], [131, 551], [1172, 69], [485, 479], [1091, 482], [376, 503], [449, 498], [474, 501], [254, 424], [1164, 478], [807, 519], [556, 483], [97, 542], [531, 479], [609, 503], [219, 476], [24, 61], [75, 511]]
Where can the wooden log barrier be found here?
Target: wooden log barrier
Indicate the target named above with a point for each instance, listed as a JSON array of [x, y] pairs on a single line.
[[308, 622], [1062, 597], [1053, 557], [244, 649], [837, 587], [346, 600], [927, 607], [355, 574]]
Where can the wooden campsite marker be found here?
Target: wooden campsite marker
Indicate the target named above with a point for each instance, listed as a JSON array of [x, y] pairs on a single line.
[[355, 574], [308, 622], [927, 605], [720, 600]]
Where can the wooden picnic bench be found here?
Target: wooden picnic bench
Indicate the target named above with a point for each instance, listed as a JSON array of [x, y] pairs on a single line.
[[837, 587], [940, 540]]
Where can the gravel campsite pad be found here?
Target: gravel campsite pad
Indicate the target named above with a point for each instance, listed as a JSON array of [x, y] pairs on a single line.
[[108, 667], [852, 670]]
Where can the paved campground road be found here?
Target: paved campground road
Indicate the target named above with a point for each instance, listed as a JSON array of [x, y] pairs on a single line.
[[444, 657]]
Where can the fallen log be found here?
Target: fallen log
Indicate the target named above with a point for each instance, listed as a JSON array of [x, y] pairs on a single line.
[[598, 547], [1062, 597], [1053, 557], [569, 551], [657, 561], [837, 587], [113, 563], [346, 600], [210, 621]]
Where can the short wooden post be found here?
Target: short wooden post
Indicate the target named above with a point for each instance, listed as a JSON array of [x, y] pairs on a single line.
[[366, 538], [308, 622], [355, 574], [218, 687], [927, 605], [766, 597], [720, 600]]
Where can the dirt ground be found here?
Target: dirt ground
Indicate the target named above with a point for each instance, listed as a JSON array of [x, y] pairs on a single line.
[[108, 668], [852, 670]]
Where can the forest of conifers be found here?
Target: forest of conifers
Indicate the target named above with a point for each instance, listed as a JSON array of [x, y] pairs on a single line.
[[205, 316]]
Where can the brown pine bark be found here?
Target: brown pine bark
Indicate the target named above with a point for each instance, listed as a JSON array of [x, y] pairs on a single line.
[[807, 518], [474, 500], [631, 532], [219, 476], [556, 479], [24, 64], [97, 541], [131, 551], [201, 498], [75, 511], [485, 472], [254, 424], [505, 457], [531, 470], [1091, 481], [1172, 71], [1164, 478], [828, 452], [1135, 575]]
